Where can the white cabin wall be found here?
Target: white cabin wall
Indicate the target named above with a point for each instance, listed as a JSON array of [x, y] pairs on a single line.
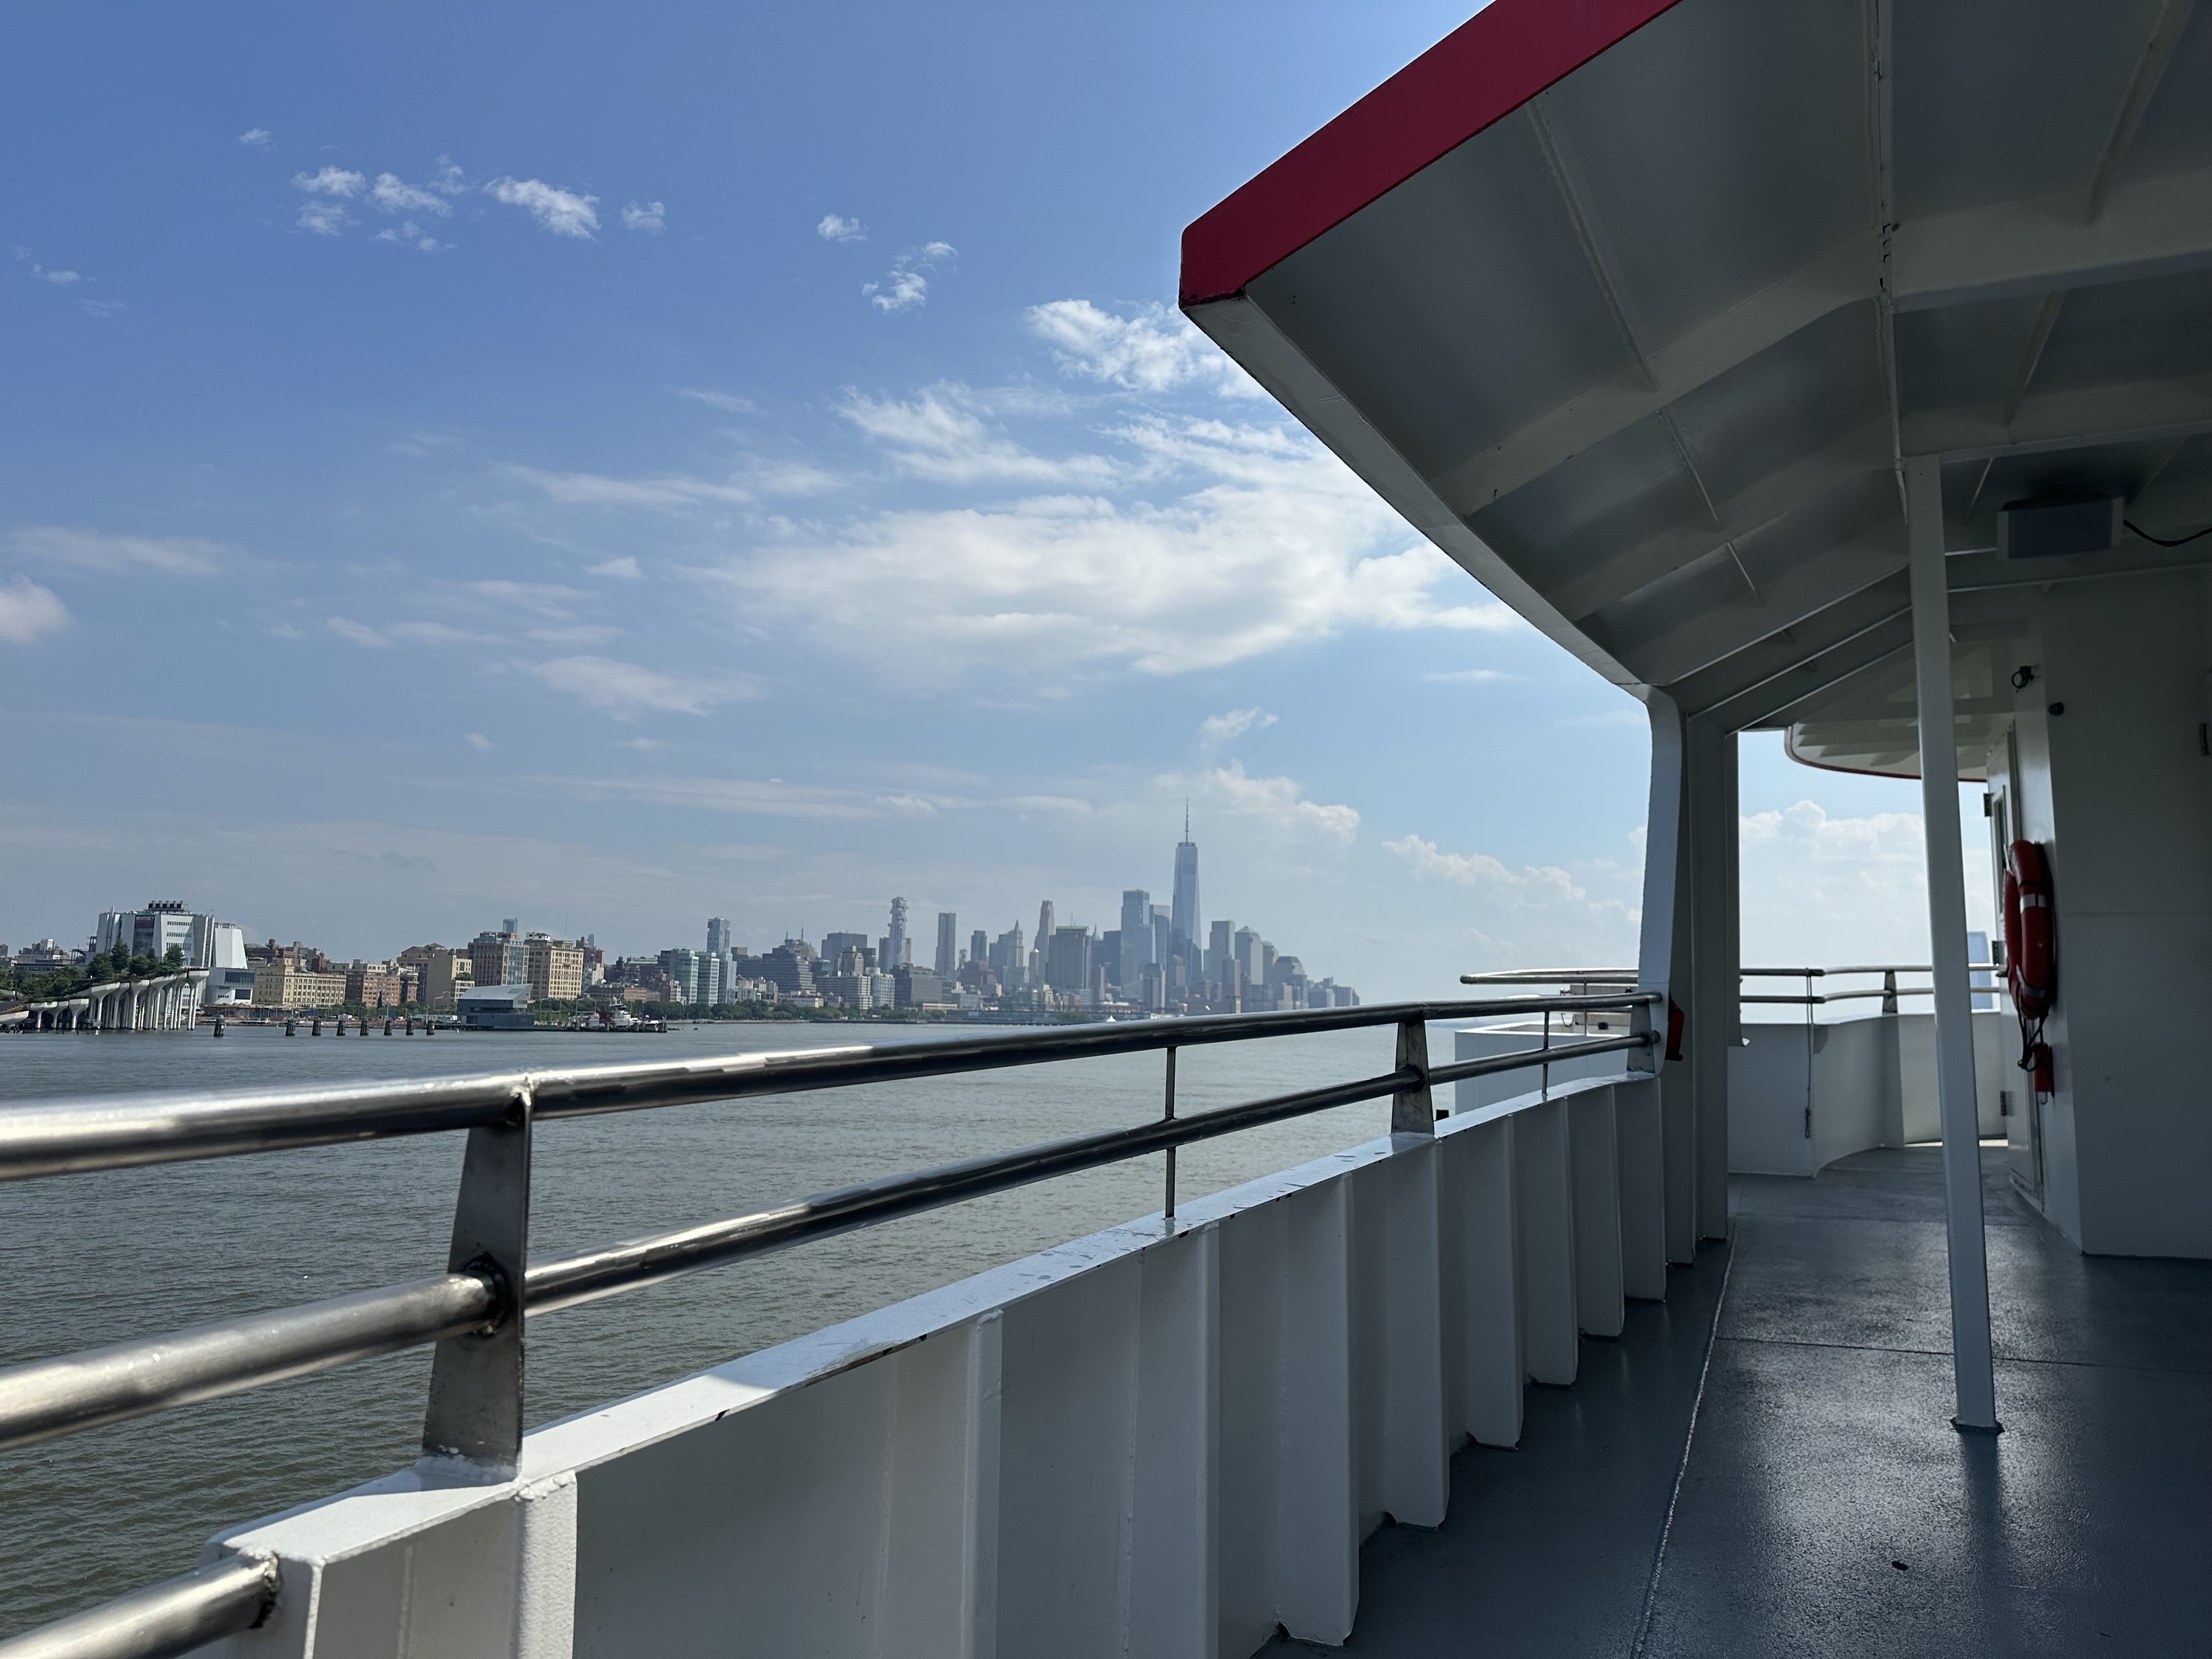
[[2117, 787]]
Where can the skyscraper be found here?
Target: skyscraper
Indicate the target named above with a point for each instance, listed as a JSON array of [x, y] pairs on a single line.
[[948, 943], [894, 951], [1182, 916], [718, 935], [1044, 924], [1219, 950], [1136, 936]]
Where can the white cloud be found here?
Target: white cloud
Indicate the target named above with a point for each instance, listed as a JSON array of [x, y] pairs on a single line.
[[1824, 890], [591, 489], [323, 218], [178, 555], [1158, 349], [58, 278], [393, 195], [256, 137], [648, 215], [1276, 545], [935, 437], [906, 285], [1538, 915], [102, 308], [1530, 885], [360, 633], [626, 689], [625, 566], [1227, 728], [478, 741], [1467, 676], [331, 181], [1277, 801], [728, 402], [407, 633], [410, 234], [768, 797], [563, 212], [835, 228], [27, 611]]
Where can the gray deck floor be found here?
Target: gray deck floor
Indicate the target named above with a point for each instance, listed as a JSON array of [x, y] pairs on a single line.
[[1824, 1505]]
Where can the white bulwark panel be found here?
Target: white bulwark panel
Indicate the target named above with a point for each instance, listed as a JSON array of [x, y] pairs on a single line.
[[1158, 1440]]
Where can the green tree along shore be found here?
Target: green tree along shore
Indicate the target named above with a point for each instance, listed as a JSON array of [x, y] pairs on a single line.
[[105, 967]]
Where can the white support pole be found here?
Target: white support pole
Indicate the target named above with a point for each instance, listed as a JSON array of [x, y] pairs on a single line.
[[1946, 931], [1715, 957], [1663, 962]]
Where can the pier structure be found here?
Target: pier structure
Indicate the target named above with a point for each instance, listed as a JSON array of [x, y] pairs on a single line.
[[168, 1003]]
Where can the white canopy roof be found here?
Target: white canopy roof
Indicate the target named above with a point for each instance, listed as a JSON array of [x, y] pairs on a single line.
[[1635, 306]]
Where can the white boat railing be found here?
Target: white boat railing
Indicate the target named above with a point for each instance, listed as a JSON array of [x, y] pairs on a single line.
[[475, 1312]]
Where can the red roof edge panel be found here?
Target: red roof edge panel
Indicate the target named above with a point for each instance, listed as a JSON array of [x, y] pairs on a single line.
[[1480, 73]]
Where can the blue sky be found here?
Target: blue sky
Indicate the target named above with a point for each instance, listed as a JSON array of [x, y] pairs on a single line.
[[615, 465]]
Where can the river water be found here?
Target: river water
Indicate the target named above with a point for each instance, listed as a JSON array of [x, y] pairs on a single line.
[[97, 1258]]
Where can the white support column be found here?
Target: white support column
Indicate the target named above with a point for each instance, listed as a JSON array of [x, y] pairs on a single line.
[[1664, 959], [1485, 1235], [1946, 931], [1316, 1485], [1715, 1002], [939, 1545], [1642, 1190], [1594, 1156], [1416, 1464], [1544, 1197], [1171, 1602]]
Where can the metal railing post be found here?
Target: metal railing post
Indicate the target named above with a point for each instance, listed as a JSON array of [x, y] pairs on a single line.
[[1412, 1111], [1889, 990], [1544, 1073], [1648, 1057], [1169, 1115], [475, 1413]]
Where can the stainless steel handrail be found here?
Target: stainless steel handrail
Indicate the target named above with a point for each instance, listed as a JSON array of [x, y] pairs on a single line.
[[48, 1399], [1628, 975], [70, 1137], [175, 1616]]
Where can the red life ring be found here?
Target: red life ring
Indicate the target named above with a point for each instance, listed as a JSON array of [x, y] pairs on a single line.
[[2030, 931]]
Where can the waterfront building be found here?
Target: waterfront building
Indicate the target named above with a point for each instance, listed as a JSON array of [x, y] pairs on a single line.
[[1218, 948], [834, 946], [695, 977], [44, 957], [376, 984], [1245, 948], [441, 973], [498, 959], [718, 935], [920, 988], [1067, 960], [1009, 959], [497, 1008], [284, 984], [1136, 936], [554, 968], [948, 944], [790, 966], [164, 924]]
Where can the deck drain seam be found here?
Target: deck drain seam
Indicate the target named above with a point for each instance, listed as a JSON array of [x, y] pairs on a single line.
[[1945, 1353], [1682, 1469]]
